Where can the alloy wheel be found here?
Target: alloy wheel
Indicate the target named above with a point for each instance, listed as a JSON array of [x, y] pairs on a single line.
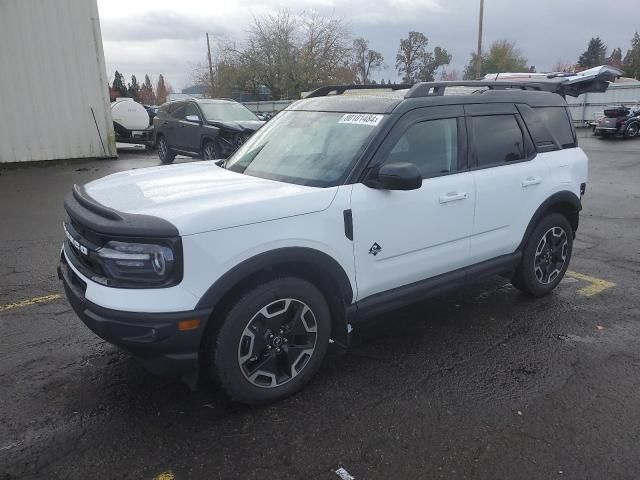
[[551, 255], [209, 152], [277, 343], [633, 130]]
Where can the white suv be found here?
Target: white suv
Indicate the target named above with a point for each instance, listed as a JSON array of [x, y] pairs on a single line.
[[339, 208]]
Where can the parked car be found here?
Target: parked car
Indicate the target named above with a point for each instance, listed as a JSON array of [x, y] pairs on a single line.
[[618, 121], [202, 128], [343, 207]]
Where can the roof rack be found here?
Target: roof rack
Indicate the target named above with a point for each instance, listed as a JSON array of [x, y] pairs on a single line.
[[340, 89], [434, 89]]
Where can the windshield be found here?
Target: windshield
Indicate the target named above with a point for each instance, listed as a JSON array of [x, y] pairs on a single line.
[[307, 148], [226, 112]]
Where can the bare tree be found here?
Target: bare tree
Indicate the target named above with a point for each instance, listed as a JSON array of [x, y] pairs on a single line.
[[451, 75], [563, 66], [365, 60], [323, 50]]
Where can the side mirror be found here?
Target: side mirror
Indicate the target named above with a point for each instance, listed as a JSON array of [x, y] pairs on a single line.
[[192, 118], [396, 176]]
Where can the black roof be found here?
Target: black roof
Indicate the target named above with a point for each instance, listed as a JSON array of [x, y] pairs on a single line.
[[395, 102]]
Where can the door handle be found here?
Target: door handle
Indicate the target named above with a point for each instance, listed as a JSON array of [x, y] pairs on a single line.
[[453, 197], [530, 181]]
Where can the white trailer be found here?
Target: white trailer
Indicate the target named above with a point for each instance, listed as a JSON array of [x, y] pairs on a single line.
[[54, 98]]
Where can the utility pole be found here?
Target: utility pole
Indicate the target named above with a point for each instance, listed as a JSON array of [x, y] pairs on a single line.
[[479, 52], [210, 67]]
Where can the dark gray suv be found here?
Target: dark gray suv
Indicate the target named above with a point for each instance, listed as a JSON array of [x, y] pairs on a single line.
[[211, 129]]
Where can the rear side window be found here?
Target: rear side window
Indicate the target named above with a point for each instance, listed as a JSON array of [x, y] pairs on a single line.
[[558, 122], [178, 111], [498, 140], [431, 145]]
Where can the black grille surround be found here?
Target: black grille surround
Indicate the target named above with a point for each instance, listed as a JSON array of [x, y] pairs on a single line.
[[90, 214]]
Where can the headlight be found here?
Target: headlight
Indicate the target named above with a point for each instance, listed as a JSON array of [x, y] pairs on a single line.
[[145, 263]]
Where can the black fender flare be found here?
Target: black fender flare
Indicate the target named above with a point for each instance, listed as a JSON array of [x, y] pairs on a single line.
[[564, 197], [279, 256]]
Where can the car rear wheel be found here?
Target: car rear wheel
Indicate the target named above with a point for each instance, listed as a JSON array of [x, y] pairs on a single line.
[[545, 257], [210, 151], [164, 152], [271, 342], [633, 130]]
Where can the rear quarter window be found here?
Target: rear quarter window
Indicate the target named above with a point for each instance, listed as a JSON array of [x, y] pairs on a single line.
[[558, 122]]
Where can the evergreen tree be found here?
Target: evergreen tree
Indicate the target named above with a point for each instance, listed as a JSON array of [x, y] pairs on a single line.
[[415, 63], [631, 62], [161, 90], [118, 84], [615, 59], [147, 96], [595, 54], [503, 56], [134, 89]]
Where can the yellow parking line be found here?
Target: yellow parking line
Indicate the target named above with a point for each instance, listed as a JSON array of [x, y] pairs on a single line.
[[165, 476], [30, 301], [596, 285]]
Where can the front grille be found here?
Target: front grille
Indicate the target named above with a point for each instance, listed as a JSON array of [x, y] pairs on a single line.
[[87, 234], [82, 250]]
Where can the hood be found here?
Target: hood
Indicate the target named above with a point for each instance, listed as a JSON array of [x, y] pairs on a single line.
[[239, 126], [200, 196]]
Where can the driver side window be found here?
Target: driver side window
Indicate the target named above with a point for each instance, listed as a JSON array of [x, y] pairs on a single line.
[[432, 146]]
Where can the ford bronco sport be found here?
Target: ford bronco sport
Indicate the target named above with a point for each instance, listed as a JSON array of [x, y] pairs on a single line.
[[340, 208]]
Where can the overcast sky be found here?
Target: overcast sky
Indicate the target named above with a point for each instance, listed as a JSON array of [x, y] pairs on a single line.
[[168, 37]]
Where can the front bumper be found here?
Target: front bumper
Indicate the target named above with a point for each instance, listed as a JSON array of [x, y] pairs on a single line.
[[154, 338]]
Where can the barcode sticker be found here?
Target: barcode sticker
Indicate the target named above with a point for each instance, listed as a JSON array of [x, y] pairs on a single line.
[[361, 119]]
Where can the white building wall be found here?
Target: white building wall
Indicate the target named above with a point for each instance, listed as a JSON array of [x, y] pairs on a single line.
[[54, 101]]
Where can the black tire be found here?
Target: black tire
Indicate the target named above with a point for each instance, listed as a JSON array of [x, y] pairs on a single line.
[[539, 262], [633, 130], [210, 151], [242, 353], [165, 153]]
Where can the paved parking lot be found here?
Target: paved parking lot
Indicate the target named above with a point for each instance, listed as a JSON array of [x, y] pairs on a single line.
[[483, 383]]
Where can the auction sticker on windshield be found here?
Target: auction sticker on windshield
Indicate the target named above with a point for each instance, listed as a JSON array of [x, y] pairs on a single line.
[[361, 119]]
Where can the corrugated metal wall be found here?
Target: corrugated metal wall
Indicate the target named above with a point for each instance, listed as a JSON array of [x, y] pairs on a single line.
[[54, 101], [590, 105]]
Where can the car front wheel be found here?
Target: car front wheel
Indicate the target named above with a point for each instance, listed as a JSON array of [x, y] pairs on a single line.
[[271, 342], [210, 151], [546, 256]]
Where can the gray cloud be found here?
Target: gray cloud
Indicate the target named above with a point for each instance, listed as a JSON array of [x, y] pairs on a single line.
[[172, 41], [160, 25]]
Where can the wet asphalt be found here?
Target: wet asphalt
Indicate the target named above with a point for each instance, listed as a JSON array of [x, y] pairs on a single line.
[[483, 383]]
